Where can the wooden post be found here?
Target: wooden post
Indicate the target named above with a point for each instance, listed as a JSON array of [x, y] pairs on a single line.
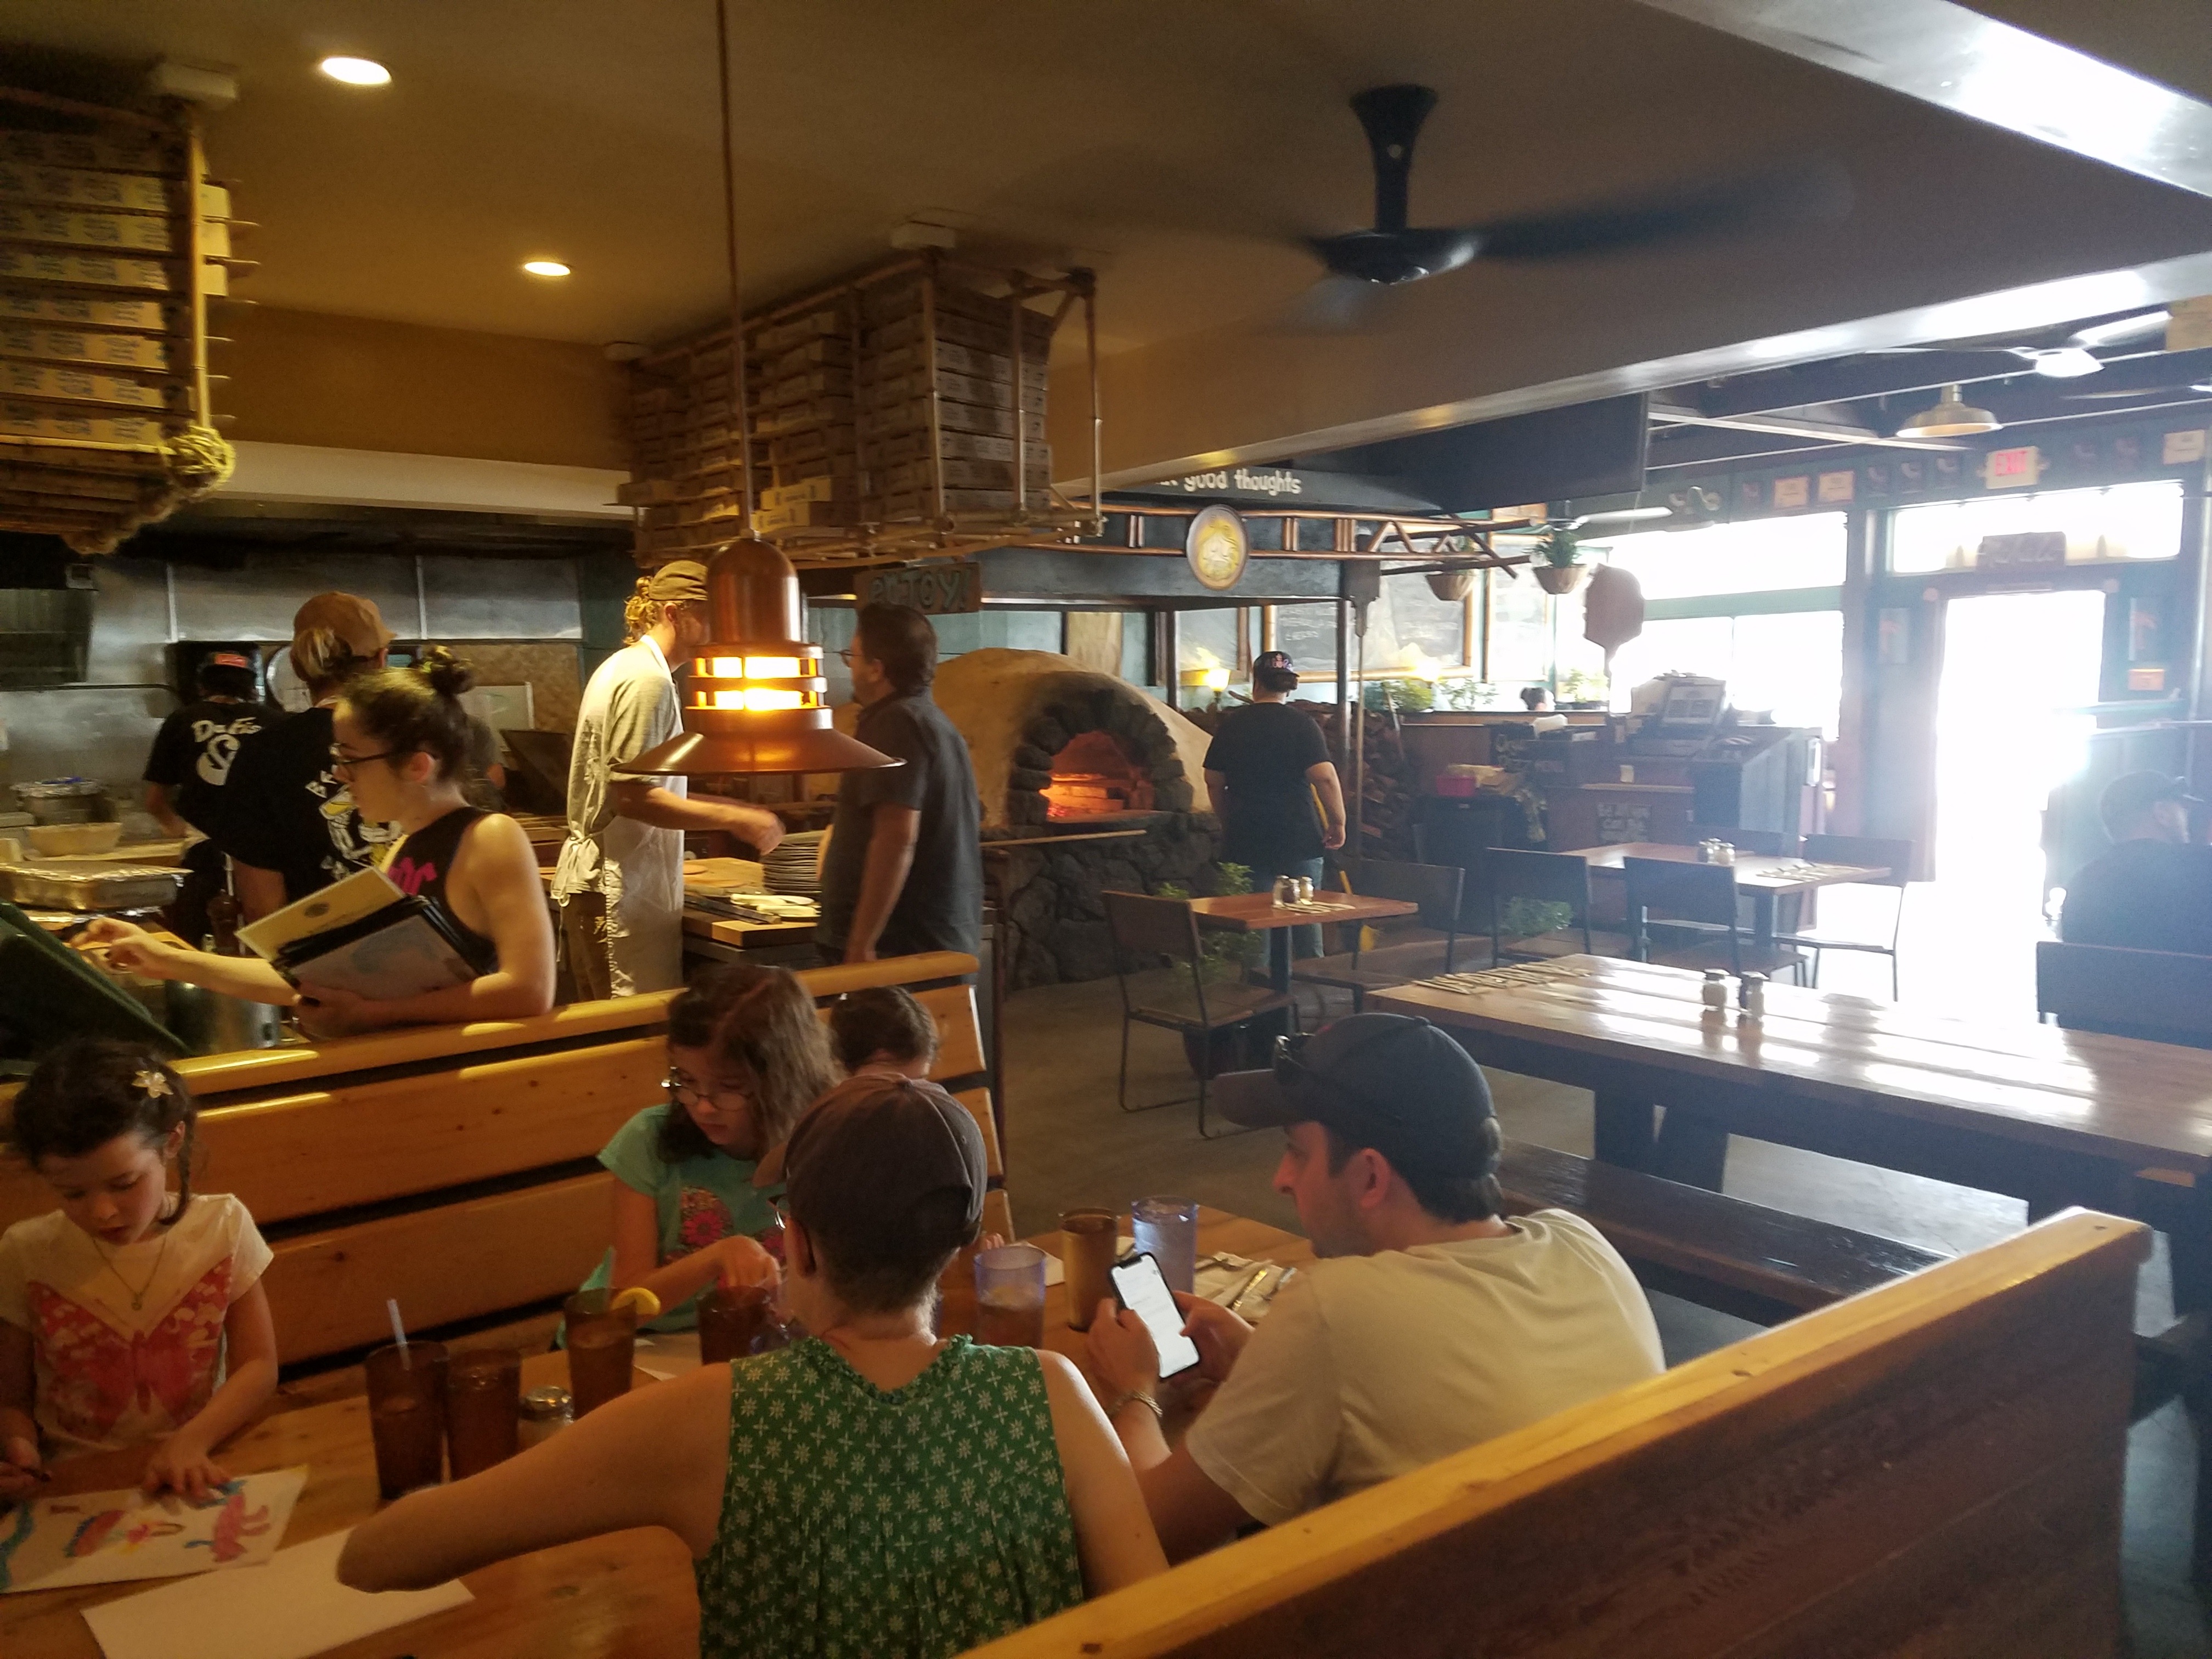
[[196, 255]]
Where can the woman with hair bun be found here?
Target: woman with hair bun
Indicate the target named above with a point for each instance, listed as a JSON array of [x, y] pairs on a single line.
[[401, 744]]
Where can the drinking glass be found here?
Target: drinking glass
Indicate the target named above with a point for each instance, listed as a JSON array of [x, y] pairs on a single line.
[[1088, 1241], [1010, 1297], [1167, 1229], [484, 1408], [732, 1318], [407, 1415], [602, 1342]]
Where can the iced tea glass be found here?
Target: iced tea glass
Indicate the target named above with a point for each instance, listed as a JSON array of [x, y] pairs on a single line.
[[407, 1415], [732, 1319], [1088, 1241], [602, 1342], [484, 1409], [1010, 1297]]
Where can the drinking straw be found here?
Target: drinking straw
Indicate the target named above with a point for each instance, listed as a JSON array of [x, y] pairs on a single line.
[[398, 1330]]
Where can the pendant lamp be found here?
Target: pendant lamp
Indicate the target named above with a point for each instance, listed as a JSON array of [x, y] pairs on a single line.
[[1949, 418], [756, 701]]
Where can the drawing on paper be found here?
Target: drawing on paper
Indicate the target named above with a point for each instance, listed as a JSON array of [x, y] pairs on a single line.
[[103, 1537]]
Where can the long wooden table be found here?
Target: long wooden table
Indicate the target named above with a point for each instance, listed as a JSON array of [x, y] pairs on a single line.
[[626, 1595], [1765, 878], [2055, 1117]]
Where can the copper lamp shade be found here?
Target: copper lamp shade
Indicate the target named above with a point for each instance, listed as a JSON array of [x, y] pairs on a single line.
[[756, 702]]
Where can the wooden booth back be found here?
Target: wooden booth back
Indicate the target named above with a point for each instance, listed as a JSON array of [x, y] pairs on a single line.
[[455, 1167]]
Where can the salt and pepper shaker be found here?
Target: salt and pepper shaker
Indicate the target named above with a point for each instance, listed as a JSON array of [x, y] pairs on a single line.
[[1752, 996], [1714, 992], [1285, 890], [1305, 889], [545, 1412]]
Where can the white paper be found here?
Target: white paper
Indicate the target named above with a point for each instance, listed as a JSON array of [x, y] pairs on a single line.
[[291, 1608], [108, 1537]]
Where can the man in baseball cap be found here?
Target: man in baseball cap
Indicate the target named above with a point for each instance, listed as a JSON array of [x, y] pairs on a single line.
[[1433, 1322], [2153, 890]]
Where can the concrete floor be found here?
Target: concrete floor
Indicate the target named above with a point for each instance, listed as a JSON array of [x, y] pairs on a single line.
[[1068, 1146]]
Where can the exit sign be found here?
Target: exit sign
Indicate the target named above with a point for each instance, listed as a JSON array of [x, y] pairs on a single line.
[[948, 587], [2012, 469]]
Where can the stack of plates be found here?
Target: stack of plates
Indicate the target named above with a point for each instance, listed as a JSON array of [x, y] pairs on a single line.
[[790, 868]]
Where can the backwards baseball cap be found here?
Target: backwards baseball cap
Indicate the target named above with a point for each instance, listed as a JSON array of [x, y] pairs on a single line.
[[352, 618], [2131, 794], [881, 1162], [1389, 1081], [680, 581], [1276, 665]]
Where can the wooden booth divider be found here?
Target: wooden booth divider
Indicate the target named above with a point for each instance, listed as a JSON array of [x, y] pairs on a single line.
[[1930, 1468], [455, 1167]]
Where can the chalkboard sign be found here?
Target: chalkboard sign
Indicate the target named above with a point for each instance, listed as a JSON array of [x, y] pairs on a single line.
[[1619, 821]]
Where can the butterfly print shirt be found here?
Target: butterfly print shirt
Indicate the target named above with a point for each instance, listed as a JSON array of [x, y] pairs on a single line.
[[110, 1374]]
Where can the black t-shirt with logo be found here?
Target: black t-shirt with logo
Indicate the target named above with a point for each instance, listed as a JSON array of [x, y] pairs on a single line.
[[2143, 895], [192, 754], [941, 906], [283, 808], [1264, 750]]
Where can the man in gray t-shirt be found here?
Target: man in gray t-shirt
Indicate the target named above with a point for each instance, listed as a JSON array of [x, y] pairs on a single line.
[[904, 871]]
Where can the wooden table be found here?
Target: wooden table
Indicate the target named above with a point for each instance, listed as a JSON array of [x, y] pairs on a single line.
[[1253, 912], [2054, 1117], [625, 1595], [1765, 879]]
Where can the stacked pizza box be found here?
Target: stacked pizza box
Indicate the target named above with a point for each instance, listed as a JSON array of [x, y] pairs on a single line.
[[101, 303]]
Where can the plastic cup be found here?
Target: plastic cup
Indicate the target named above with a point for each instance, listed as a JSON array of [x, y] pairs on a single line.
[[484, 1409], [1089, 1242], [407, 1415], [732, 1319], [1010, 1297], [1167, 1228], [602, 1343]]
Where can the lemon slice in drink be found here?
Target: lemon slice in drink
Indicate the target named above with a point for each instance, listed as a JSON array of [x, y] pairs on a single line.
[[646, 1304]]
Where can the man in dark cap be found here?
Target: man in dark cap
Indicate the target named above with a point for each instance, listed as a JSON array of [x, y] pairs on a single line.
[[620, 884], [1433, 1322], [1264, 768], [2152, 891]]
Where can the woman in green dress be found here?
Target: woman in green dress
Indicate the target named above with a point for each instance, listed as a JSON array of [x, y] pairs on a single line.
[[873, 1489]]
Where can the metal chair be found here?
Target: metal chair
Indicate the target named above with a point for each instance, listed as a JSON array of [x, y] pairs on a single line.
[[1175, 998], [1414, 947], [1547, 879], [1874, 853], [1701, 896]]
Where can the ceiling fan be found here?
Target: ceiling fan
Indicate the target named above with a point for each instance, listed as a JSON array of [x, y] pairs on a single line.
[[1361, 264], [2057, 359]]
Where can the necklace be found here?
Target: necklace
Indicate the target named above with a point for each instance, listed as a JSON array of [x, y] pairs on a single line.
[[138, 1296]]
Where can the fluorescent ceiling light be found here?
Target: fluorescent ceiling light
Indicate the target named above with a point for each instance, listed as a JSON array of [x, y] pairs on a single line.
[[356, 72], [545, 267], [1949, 418]]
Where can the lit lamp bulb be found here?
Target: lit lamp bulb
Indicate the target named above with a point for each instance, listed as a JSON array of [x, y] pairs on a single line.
[[756, 702]]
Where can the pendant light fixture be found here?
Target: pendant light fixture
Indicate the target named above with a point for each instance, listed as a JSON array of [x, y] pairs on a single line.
[[1950, 418], [756, 701]]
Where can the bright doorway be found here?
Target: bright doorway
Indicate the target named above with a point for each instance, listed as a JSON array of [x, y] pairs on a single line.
[[2020, 672]]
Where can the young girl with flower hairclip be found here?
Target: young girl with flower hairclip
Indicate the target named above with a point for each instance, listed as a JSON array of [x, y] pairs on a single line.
[[132, 1313]]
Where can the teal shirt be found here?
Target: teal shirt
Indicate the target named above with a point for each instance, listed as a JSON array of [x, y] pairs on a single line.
[[862, 1525], [698, 1201]]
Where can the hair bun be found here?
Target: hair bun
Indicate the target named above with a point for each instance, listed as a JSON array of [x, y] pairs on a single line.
[[448, 675]]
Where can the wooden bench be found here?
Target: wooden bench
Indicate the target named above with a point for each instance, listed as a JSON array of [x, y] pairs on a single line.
[[1744, 1259], [1933, 1468], [455, 1167]]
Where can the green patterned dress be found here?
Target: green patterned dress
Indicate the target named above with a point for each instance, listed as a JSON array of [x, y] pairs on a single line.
[[858, 1525]]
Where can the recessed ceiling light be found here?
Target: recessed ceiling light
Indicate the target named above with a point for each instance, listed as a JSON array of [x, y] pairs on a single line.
[[356, 72], [545, 267]]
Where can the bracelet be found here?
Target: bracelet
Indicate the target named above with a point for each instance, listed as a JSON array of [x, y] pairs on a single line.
[[1139, 1396]]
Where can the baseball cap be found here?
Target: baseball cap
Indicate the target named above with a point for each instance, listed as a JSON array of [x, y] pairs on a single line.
[[866, 1157], [352, 618], [1389, 1081], [2133, 794], [680, 581], [1273, 659]]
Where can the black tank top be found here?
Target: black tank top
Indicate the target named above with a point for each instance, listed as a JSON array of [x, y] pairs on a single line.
[[420, 866]]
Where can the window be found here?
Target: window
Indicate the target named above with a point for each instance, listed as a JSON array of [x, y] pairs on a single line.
[[1759, 555], [2125, 521], [1410, 629], [1208, 638], [1308, 632], [1520, 635]]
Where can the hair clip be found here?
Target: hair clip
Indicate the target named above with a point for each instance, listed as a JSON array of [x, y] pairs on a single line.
[[151, 1082]]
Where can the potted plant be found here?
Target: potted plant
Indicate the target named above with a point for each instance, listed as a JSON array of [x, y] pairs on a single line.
[[1225, 958], [1558, 565], [1581, 690]]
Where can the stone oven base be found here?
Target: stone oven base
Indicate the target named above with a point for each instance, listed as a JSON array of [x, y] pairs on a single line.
[[1056, 922]]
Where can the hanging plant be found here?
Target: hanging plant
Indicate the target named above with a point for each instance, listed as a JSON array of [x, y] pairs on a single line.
[[1557, 566]]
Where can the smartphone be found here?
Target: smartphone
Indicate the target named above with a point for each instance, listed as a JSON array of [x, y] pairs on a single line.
[[1140, 1286]]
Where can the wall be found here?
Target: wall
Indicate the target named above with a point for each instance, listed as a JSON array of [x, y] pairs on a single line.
[[300, 377], [103, 726]]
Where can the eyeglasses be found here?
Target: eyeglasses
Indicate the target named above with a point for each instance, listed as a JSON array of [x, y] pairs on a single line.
[[846, 656], [342, 761], [684, 1092]]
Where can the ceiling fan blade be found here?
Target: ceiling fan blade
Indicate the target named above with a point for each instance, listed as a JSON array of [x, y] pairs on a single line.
[[2121, 331], [1335, 305], [1781, 197]]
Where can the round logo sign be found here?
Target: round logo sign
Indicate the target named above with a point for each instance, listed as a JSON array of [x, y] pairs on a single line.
[[1217, 547]]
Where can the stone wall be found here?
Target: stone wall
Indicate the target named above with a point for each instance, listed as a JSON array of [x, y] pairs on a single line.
[[1056, 922]]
